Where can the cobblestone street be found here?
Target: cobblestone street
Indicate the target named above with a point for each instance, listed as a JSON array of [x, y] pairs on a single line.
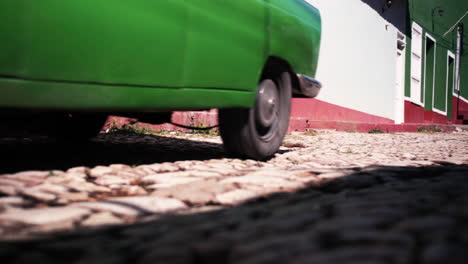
[[327, 197]]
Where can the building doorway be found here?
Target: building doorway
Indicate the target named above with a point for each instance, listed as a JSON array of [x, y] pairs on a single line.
[[429, 72], [400, 79]]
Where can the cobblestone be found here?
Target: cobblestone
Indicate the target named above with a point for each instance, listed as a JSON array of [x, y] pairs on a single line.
[[44, 216], [327, 197], [100, 219]]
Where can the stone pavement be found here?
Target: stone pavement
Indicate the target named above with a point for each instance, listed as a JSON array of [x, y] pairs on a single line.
[[327, 197]]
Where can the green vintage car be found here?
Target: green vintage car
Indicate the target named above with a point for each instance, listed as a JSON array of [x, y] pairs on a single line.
[[79, 61]]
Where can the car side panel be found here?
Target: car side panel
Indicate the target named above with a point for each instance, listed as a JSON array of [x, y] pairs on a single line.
[[294, 33], [226, 43], [49, 95], [116, 55], [140, 42]]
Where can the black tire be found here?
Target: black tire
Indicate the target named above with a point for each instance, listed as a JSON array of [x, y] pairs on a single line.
[[76, 127], [257, 133]]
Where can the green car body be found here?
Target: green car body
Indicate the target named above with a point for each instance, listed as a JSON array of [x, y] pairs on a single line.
[[149, 55]]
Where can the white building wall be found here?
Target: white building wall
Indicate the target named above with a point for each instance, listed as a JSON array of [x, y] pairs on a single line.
[[357, 63]]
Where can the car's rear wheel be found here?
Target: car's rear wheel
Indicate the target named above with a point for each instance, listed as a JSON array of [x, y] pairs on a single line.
[[258, 132]]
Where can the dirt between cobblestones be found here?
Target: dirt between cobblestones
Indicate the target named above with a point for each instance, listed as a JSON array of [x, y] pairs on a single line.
[[327, 197]]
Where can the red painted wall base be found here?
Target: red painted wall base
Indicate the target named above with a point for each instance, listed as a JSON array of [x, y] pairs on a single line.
[[416, 114], [309, 114], [316, 110], [459, 110]]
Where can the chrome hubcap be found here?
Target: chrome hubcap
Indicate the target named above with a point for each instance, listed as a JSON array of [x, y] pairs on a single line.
[[267, 104]]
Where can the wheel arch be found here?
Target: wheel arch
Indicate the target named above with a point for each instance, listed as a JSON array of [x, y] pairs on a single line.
[[274, 66]]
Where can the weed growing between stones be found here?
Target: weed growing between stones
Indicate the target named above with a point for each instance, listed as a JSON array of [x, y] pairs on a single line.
[[310, 132], [430, 129], [200, 124], [133, 128], [376, 131]]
